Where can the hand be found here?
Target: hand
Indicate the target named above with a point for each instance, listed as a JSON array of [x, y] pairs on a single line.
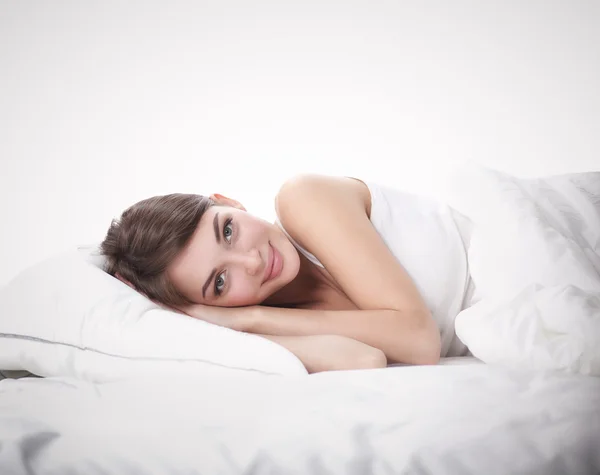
[[235, 318]]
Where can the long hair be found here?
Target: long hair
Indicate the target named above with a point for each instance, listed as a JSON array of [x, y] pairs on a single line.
[[148, 236]]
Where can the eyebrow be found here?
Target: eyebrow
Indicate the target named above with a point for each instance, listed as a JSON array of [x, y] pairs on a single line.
[[207, 283], [214, 271], [216, 228]]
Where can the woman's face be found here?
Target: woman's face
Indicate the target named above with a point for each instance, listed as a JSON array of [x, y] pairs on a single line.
[[234, 259]]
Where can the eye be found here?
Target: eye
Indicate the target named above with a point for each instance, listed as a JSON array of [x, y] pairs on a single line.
[[228, 230], [219, 283]]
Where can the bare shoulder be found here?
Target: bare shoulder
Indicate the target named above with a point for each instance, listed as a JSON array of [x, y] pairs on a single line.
[[329, 217], [302, 192]]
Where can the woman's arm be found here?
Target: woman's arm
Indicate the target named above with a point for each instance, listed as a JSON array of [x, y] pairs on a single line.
[[328, 216], [330, 352], [401, 338]]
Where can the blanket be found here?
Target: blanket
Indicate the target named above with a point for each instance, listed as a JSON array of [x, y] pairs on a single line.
[[534, 258]]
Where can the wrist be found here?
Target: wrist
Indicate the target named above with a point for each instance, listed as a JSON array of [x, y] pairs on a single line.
[[250, 318]]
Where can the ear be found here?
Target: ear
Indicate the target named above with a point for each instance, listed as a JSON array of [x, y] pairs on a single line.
[[223, 200]]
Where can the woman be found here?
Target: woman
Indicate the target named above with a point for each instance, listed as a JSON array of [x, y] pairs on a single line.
[[352, 275]]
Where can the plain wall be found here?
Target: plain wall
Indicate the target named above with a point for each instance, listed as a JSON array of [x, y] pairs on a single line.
[[104, 103]]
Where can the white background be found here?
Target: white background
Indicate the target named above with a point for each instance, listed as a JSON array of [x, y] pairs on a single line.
[[104, 103]]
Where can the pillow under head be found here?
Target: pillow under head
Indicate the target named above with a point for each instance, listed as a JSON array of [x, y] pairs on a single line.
[[67, 317]]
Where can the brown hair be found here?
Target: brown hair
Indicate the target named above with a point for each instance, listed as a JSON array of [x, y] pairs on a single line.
[[148, 237]]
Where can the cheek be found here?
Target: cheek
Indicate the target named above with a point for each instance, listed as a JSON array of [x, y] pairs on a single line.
[[243, 291]]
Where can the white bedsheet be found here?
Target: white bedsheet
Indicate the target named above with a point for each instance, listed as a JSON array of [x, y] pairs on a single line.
[[460, 418]]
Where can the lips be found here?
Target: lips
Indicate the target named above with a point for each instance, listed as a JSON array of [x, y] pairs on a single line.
[[274, 264], [269, 266]]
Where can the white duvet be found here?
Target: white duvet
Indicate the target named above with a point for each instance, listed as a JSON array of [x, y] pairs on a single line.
[[466, 418], [534, 258]]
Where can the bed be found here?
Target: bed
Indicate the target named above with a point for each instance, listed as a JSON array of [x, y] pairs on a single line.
[[131, 388], [459, 417]]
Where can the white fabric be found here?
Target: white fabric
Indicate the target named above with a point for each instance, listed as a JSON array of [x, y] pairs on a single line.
[[534, 257], [459, 419], [533, 253], [423, 235], [67, 317]]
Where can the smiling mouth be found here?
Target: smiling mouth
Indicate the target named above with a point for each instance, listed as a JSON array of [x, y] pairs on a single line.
[[274, 264], [269, 265]]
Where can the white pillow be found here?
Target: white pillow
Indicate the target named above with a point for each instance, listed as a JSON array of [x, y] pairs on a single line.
[[67, 317]]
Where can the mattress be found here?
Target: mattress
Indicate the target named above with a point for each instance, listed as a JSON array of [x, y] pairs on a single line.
[[459, 417]]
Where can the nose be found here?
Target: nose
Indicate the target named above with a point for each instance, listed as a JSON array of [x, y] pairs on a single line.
[[250, 260]]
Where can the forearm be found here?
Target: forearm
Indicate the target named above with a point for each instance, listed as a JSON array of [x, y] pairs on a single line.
[[330, 352], [403, 338]]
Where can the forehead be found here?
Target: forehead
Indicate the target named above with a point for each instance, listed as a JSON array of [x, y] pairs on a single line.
[[194, 261]]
